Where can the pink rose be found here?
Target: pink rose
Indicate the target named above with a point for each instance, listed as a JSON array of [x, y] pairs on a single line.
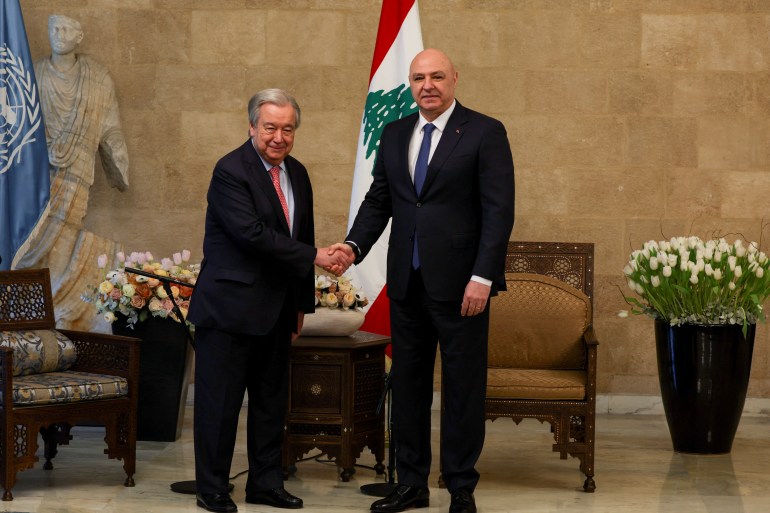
[[116, 294], [155, 305], [137, 302], [168, 305]]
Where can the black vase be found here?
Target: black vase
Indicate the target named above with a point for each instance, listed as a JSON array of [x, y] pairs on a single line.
[[164, 372], [704, 375]]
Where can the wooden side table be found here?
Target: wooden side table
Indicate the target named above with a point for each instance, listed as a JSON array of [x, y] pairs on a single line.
[[335, 386]]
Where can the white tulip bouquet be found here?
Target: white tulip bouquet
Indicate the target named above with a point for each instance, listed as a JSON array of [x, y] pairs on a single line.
[[688, 281]]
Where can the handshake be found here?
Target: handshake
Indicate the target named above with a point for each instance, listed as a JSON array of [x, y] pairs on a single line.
[[336, 258]]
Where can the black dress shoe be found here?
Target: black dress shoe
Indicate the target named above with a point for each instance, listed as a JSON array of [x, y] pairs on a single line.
[[277, 497], [218, 502], [401, 498], [462, 502]]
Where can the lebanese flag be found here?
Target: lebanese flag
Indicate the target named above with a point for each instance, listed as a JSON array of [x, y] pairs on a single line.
[[399, 39]]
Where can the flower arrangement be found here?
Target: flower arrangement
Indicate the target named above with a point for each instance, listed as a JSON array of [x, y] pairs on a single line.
[[688, 281], [136, 296], [338, 293]]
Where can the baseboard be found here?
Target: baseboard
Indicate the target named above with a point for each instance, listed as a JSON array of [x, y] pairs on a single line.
[[622, 404], [619, 404], [653, 405]]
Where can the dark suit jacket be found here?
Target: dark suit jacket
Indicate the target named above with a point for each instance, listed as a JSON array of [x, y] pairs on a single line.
[[252, 264], [463, 217]]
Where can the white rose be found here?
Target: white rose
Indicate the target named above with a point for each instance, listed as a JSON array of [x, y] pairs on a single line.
[[322, 281], [129, 290], [109, 317]]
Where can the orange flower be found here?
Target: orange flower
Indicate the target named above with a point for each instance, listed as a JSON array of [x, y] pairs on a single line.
[[143, 290]]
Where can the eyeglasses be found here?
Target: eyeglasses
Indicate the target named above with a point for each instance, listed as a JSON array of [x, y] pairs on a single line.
[[287, 131]]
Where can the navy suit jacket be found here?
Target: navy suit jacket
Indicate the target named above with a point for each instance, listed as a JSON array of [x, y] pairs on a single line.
[[252, 264], [463, 217]]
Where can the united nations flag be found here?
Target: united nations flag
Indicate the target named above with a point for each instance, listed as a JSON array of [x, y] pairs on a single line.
[[24, 178]]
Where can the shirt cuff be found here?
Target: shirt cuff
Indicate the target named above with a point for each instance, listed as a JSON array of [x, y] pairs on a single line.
[[484, 281], [355, 247]]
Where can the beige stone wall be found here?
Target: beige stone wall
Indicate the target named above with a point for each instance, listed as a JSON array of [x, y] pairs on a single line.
[[628, 119]]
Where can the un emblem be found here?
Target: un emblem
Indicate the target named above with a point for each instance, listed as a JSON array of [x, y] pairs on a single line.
[[19, 108]]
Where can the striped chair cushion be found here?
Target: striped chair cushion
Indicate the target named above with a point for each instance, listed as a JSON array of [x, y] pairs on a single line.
[[36, 351], [65, 387]]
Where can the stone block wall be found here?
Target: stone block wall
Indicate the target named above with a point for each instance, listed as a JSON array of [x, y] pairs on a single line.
[[629, 120]]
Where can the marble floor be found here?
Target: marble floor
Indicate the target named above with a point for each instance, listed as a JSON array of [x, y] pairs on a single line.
[[636, 471]]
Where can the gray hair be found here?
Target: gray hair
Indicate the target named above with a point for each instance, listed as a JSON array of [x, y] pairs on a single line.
[[277, 97], [54, 17]]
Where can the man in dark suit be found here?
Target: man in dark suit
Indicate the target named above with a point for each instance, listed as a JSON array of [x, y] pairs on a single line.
[[445, 177], [255, 285]]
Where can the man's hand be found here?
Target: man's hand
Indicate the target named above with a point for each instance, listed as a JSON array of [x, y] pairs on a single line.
[[474, 299], [335, 259], [344, 250], [300, 321]]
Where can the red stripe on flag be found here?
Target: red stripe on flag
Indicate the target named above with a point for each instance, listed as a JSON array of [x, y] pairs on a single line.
[[391, 17], [378, 316]]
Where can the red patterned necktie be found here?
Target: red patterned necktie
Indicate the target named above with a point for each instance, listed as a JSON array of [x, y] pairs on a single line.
[[274, 174]]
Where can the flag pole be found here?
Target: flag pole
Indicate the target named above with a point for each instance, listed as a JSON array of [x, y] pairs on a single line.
[[399, 39]]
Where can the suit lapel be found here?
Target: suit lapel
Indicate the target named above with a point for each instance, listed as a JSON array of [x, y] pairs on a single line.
[[453, 132], [403, 151], [299, 196], [262, 178]]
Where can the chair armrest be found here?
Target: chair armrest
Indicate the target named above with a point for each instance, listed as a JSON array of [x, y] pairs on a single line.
[[105, 354], [589, 337], [6, 373]]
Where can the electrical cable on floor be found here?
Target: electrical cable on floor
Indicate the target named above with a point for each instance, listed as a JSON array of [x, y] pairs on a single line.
[[313, 457]]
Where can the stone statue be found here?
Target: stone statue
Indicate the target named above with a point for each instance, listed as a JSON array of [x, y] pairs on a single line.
[[81, 117]]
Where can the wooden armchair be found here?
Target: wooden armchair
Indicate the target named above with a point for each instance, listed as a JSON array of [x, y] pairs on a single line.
[[542, 347], [51, 380]]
